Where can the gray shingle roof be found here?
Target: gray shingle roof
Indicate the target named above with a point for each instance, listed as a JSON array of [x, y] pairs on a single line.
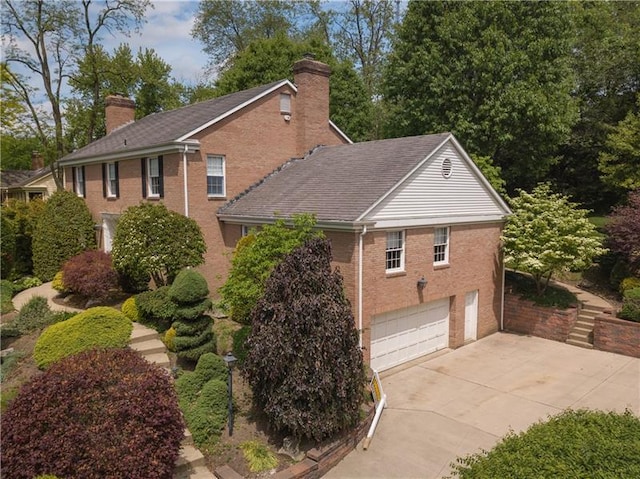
[[336, 183], [16, 178], [164, 127]]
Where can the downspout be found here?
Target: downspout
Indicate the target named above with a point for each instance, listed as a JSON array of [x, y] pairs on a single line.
[[360, 254], [184, 173], [502, 298]]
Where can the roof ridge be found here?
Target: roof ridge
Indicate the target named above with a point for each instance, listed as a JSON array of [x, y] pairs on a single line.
[[274, 172]]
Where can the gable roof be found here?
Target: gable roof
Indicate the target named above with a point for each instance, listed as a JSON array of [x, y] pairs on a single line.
[[170, 127], [20, 178]]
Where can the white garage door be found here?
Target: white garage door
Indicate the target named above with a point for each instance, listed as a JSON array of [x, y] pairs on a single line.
[[405, 334]]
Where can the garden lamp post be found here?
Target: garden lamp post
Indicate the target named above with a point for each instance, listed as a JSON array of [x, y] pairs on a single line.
[[230, 359]]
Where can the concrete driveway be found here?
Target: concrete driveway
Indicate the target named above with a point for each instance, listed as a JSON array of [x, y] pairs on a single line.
[[459, 402]]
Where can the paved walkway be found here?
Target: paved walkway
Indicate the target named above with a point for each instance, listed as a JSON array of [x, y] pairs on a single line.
[[45, 290]]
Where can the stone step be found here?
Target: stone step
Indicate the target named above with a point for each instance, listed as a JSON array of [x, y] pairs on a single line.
[[588, 314], [581, 344], [189, 459], [579, 336], [161, 359], [141, 333], [582, 329], [594, 307], [150, 346], [188, 438]]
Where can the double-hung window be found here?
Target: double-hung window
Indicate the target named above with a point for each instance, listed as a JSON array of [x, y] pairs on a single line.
[[78, 181], [152, 180], [441, 246], [395, 251], [110, 180], [215, 176]]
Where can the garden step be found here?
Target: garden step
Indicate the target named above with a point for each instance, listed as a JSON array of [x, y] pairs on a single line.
[[594, 307], [582, 330], [588, 313], [188, 438], [190, 458], [581, 344], [142, 333], [580, 335], [149, 346], [161, 359]]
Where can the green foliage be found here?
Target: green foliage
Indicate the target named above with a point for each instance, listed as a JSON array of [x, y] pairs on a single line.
[[58, 283], [24, 217], [553, 297], [491, 172], [6, 396], [7, 246], [255, 257], [8, 362], [571, 444], [26, 282], [203, 399], [258, 455], [152, 240], [99, 327], [35, 314], [156, 309], [548, 234], [169, 336], [496, 74], [303, 363], [64, 229], [130, 309], [631, 282], [240, 343], [631, 305], [188, 287], [98, 414], [619, 272], [6, 293]]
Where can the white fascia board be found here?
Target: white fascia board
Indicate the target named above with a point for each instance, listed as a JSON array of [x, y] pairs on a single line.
[[340, 132], [238, 108], [323, 225], [172, 147], [403, 179], [437, 221]]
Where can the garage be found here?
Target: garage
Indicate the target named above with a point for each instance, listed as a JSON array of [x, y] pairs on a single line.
[[405, 334]]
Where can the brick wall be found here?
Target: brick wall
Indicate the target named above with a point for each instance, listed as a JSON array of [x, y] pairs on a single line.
[[616, 335], [525, 317]]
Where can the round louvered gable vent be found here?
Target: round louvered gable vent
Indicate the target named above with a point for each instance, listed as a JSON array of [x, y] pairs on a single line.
[[447, 168]]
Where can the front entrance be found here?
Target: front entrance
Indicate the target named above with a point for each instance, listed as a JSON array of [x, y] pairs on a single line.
[[405, 334]]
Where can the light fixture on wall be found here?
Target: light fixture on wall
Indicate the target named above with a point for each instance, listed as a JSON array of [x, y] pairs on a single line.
[[422, 282]]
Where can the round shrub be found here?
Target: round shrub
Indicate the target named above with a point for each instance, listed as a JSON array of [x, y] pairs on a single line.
[[58, 282], [571, 444], [35, 314], [631, 305], [629, 283], [90, 274], [98, 414], [189, 287], [169, 336], [64, 229], [130, 309], [7, 246], [211, 366], [99, 327]]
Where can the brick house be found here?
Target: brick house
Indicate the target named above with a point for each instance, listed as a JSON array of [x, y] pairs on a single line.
[[414, 226]]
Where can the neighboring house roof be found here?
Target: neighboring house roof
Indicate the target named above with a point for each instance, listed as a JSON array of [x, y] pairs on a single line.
[[350, 184], [21, 178]]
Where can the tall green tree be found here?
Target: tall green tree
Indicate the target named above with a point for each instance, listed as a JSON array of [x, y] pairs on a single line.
[[46, 39], [496, 74], [272, 59]]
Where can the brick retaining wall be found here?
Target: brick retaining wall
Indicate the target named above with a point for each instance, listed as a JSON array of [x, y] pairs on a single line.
[[525, 317], [616, 335]]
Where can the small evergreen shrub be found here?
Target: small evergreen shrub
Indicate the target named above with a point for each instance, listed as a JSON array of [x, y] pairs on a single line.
[[156, 309], [26, 282], [631, 305], [211, 366], [258, 455], [189, 287], [572, 444], [130, 309], [629, 283], [90, 274], [99, 327], [58, 283], [35, 314], [7, 247], [64, 229], [168, 338], [98, 414]]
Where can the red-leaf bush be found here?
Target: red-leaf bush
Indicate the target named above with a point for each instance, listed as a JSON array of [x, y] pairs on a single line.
[[90, 274], [101, 413], [623, 229]]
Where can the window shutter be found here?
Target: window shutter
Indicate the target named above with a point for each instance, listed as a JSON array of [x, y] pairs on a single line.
[[117, 192], [84, 183], [73, 179], [161, 192], [143, 174], [104, 180]]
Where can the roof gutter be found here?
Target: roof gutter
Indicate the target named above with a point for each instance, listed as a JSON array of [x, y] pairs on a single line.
[[320, 224], [190, 146]]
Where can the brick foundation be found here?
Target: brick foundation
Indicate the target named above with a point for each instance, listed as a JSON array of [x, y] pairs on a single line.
[[320, 460], [525, 317], [616, 335]]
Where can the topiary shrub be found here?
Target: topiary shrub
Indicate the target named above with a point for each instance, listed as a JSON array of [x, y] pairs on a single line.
[[64, 229], [130, 309], [98, 414], [156, 309], [7, 247], [203, 398], [194, 333], [571, 444], [99, 327], [90, 274], [303, 361]]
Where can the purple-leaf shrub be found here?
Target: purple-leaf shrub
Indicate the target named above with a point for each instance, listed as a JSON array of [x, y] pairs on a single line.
[[90, 274]]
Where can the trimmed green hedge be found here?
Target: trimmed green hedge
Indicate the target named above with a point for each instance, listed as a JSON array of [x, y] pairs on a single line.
[[573, 444], [100, 327]]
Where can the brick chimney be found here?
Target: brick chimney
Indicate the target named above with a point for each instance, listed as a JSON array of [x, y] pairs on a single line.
[[118, 111], [312, 102], [37, 160]]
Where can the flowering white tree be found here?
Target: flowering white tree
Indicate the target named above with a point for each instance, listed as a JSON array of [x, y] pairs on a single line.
[[547, 234]]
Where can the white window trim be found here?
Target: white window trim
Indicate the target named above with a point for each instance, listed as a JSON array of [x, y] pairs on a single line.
[[110, 191], [445, 261], [79, 181], [150, 193], [402, 252], [224, 177]]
